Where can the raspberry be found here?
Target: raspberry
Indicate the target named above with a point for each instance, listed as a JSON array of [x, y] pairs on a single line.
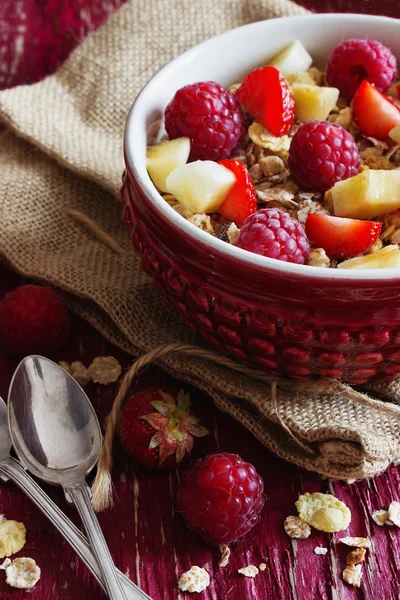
[[271, 232], [221, 497], [355, 60], [33, 320], [210, 116], [321, 154]]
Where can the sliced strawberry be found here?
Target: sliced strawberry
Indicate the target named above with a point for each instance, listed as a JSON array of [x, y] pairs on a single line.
[[374, 113], [241, 200], [265, 94], [340, 237]]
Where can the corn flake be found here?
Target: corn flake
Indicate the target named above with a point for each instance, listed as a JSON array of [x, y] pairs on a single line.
[[23, 573], [264, 138], [323, 511], [12, 537]]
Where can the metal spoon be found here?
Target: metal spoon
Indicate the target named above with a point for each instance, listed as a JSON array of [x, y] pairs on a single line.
[[55, 432], [12, 468]]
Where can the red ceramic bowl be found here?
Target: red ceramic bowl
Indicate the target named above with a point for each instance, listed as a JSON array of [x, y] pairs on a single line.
[[291, 320]]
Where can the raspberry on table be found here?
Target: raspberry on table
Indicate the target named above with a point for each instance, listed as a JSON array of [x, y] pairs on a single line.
[[33, 320], [221, 498], [355, 60], [210, 116], [321, 154], [273, 233]]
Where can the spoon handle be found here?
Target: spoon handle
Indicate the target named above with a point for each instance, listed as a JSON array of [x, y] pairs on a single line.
[[11, 468], [80, 495]]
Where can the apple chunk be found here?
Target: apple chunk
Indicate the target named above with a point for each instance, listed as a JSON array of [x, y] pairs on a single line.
[[200, 186], [313, 102], [164, 158], [292, 59], [385, 258], [367, 195]]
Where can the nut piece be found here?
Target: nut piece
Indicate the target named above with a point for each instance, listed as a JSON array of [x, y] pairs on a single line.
[[249, 571], [23, 573], [356, 556], [296, 528], [356, 542], [225, 554], [394, 513], [105, 370], [381, 518], [12, 537], [194, 580], [352, 575], [262, 567], [323, 511], [320, 550]]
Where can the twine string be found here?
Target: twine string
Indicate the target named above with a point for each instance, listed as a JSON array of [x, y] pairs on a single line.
[[94, 229]]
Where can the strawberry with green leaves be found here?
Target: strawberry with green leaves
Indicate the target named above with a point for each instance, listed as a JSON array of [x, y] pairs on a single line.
[[157, 427]]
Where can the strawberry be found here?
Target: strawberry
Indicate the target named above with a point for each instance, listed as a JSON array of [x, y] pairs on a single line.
[[157, 429], [265, 94], [374, 113], [341, 237], [241, 200]]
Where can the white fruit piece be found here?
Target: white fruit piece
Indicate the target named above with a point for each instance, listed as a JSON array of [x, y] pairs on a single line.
[[313, 101], [200, 186], [367, 195], [292, 59], [386, 258], [163, 158], [395, 134]]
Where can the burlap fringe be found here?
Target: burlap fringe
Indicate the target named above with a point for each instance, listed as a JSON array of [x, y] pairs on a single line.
[[102, 486], [94, 229]]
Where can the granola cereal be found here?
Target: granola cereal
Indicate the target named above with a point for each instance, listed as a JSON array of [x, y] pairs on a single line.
[[23, 573], [263, 138], [249, 571], [356, 556], [225, 554], [262, 567], [196, 579], [202, 221], [323, 511], [306, 206], [394, 513], [233, 233], [318, 258], [271, 165], [352, 575], [5, 563], [105, 370], [356, 542], [12, 537], [295, 527], [381, 518]]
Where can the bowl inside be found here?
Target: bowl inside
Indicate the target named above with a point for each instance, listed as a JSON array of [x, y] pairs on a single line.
[[226, 59]]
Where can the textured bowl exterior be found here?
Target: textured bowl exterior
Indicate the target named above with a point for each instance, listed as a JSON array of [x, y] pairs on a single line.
[[298, 328]]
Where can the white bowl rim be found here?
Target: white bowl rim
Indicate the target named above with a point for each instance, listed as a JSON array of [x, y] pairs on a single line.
[[363, 276]]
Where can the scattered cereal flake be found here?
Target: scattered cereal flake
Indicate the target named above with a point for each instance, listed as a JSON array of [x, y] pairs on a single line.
[[323, 511], [356, 542], [271, 165], [12, 537], [343, 118], [202, 221], [262, 567], [352, 575], [320, 550], [394, 513], [225, 554], [195, 580], [23, 573], [233, 233], [264, 138], [80, 373], [5, 563], [105, 370], [65, 365], [308, 206], [381, 518], [256, 172], [249, 571], [356, 556], [318, 258], [296, 528], [276, 194]]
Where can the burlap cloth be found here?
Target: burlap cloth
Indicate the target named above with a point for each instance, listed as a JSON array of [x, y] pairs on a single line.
[[63, 152]]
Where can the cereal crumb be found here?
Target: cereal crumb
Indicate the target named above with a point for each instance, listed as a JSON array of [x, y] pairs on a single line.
[[195, 580], [225, 554], [356, 556], [249, 571], [356, 542], [381, 518], [105, 370], [323, 511], [318, 258], [394, 513], [296, 528], [262, 567], [320, 550], [12, 537], [352, 575], [23, 573]]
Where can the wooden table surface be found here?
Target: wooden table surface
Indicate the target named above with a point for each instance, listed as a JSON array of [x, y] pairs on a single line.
[[147, 538]]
